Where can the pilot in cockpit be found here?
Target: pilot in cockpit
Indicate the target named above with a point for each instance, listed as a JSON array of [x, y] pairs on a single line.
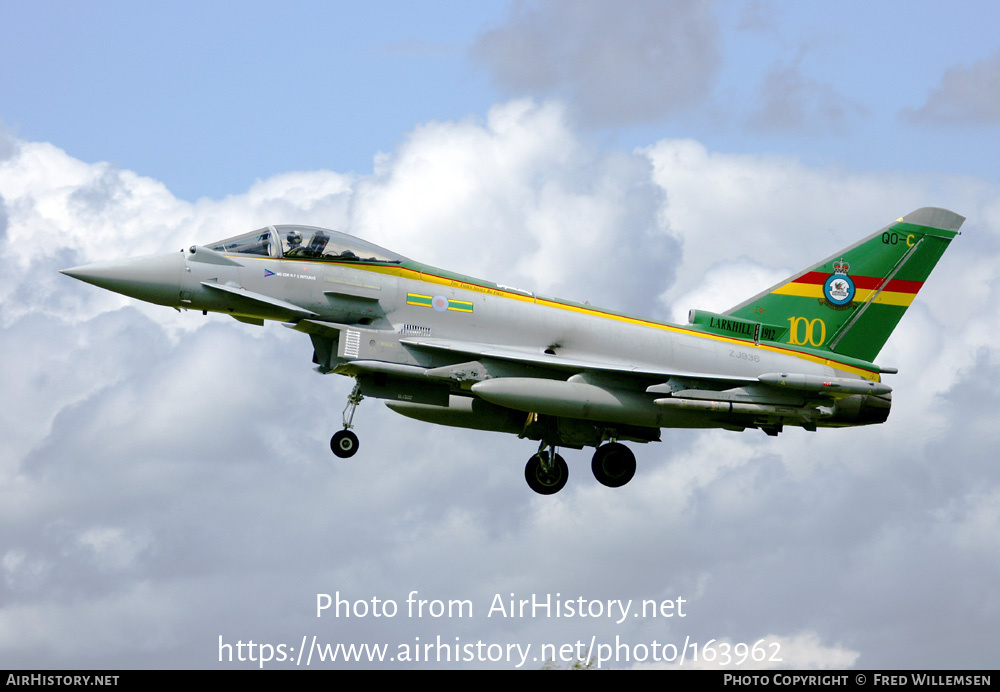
[[294, 239], [318, 244]]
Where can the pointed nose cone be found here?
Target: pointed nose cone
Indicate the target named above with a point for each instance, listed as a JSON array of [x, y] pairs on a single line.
[[153, 278]]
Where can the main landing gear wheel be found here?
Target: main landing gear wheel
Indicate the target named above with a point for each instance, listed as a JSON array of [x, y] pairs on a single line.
[[613, 465], [344, 443], [543, 477]]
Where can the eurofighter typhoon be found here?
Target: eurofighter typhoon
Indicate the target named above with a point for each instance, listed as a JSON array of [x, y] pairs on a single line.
[[454, 350]]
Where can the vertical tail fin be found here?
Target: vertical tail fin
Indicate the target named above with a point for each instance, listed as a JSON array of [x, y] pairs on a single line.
[[850, 302]]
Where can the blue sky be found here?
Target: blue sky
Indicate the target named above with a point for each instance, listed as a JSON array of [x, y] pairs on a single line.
[[165, 477], [209, 97]]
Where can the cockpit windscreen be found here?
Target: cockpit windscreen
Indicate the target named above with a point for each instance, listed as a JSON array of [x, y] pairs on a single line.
[[254, 243]]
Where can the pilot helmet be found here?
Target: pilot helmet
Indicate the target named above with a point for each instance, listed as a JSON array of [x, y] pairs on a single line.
[[294, 238]]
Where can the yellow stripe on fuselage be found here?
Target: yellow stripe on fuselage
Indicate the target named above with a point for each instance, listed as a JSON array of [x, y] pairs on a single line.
[[405, 273]]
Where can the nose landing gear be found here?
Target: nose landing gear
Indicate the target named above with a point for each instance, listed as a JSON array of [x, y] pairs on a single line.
[[344, 443]]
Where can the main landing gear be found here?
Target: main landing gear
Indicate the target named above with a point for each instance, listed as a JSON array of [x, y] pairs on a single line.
[[546, 472], [344, 443], [613, 465]]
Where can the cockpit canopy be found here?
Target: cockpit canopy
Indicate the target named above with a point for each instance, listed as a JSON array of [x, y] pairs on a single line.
[[306, 242]]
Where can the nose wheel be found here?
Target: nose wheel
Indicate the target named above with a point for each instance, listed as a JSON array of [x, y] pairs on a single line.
[[344, 443]]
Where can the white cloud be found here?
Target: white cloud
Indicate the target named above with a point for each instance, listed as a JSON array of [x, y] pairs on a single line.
[[724, 286], [518, 198]]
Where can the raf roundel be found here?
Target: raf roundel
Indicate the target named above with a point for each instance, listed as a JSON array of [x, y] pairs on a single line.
[[439, 303]]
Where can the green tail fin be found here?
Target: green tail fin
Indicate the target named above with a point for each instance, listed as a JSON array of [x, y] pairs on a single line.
[[850, 302]]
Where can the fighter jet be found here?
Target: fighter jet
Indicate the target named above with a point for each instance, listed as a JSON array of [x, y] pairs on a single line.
[[450, 349]]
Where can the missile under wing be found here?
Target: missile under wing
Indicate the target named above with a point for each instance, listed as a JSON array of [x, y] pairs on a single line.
[[454, 350]]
